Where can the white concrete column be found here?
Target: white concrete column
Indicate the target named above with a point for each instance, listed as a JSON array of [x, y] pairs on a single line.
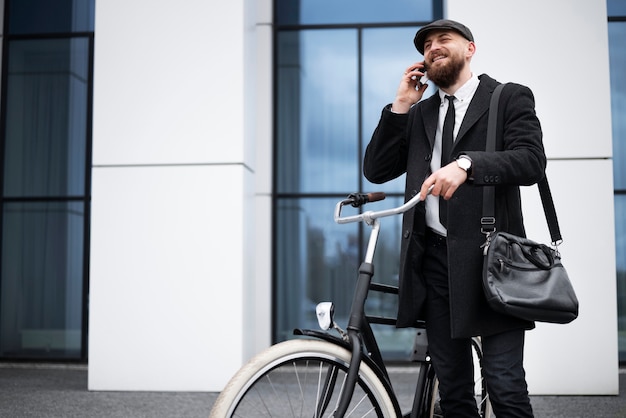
[[173, 227]]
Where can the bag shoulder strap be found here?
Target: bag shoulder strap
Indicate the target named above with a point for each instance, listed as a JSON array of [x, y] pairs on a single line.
[[488, 220]]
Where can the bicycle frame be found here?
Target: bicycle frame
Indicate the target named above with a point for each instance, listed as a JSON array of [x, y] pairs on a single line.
[[360, 337], [320, 376]]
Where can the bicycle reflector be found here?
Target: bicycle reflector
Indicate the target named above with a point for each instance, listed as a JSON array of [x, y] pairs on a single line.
[[325, 312]]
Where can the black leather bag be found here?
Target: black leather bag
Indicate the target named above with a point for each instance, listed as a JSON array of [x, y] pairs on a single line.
[[526, 279], [523, 278]]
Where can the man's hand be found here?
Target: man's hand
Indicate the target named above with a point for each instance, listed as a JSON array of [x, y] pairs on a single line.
[[445, 181], [410, 90]]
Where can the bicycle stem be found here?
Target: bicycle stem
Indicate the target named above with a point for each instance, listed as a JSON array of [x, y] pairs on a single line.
[[371, 246]]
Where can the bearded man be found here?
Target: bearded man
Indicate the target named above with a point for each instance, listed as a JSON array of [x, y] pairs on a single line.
[[439, 142]]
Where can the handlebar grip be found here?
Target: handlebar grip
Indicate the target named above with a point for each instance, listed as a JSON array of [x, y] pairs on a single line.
[[376, 196], [359, 199]]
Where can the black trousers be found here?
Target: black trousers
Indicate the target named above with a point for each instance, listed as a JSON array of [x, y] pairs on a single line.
[[503, 353]]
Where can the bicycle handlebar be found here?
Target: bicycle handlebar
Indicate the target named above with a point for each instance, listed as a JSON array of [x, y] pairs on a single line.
[[359, 199]]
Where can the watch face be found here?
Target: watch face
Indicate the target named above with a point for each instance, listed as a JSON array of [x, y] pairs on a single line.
[[464, 163]]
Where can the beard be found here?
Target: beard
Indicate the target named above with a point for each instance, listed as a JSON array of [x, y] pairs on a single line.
[[446, 75]]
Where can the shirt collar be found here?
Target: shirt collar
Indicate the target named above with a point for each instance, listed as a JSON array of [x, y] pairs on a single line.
[[465, 92]]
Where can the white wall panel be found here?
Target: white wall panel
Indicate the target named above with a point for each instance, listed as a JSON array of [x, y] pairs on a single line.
[[259, 284], [166, 277], [581, 357], [169, 82], [173, 228], [559, 49], [263, 163]]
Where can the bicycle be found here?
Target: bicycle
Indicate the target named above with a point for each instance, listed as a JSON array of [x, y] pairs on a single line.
[[325, 375]]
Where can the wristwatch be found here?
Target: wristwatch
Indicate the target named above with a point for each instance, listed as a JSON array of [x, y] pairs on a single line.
[[465, 163]]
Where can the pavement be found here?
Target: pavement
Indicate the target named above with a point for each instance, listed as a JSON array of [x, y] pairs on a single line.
[[60, 391]]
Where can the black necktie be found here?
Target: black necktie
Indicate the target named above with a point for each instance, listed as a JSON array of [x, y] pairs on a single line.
[[446, 147]]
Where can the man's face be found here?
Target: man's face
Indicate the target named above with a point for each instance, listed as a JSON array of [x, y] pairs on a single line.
[[444, 56]]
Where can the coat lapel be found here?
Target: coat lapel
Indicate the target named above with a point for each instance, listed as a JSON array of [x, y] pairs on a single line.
[[477, 108], [430, 116]]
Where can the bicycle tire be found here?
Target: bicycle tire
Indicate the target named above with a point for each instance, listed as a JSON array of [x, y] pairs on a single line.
[[483, 404], [482, 395], [288, 380]]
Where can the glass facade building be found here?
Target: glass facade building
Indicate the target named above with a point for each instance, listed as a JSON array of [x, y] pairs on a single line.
[[332, 62]]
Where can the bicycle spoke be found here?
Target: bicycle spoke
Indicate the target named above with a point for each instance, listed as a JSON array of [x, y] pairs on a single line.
[[327, 388], [363, 398], [295, 371], [343, 384]]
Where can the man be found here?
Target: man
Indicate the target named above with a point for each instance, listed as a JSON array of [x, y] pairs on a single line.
[[441, 255]]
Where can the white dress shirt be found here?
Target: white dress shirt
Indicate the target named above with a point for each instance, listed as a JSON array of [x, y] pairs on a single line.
[[462, 98]]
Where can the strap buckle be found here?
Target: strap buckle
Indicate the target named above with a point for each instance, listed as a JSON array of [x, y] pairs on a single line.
[[487, 225], [555, 246]]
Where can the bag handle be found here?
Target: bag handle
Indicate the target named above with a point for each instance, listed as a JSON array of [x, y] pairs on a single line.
[[488, 221], [536, 259]]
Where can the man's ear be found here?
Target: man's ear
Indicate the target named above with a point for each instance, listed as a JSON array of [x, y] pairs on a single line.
[[471, 49]]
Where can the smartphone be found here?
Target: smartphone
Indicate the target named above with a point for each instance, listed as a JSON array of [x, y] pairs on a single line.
[[424, 79]]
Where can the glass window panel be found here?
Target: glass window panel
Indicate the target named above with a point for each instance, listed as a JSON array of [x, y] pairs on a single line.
[[396, 344], [46, 128], [45, 16], [318, 113], [386, 54], [620, 252], [617, 53], [316, 261], [42, 276], [352, 11], [616, 8], [387, 255]]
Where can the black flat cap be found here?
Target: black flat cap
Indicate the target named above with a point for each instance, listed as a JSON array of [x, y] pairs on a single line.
[[443, 24]]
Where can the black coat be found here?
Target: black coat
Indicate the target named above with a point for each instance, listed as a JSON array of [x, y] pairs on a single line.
[[404, 143]]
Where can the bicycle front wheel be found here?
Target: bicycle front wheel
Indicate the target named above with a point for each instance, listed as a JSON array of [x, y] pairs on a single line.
[[301, 378]]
